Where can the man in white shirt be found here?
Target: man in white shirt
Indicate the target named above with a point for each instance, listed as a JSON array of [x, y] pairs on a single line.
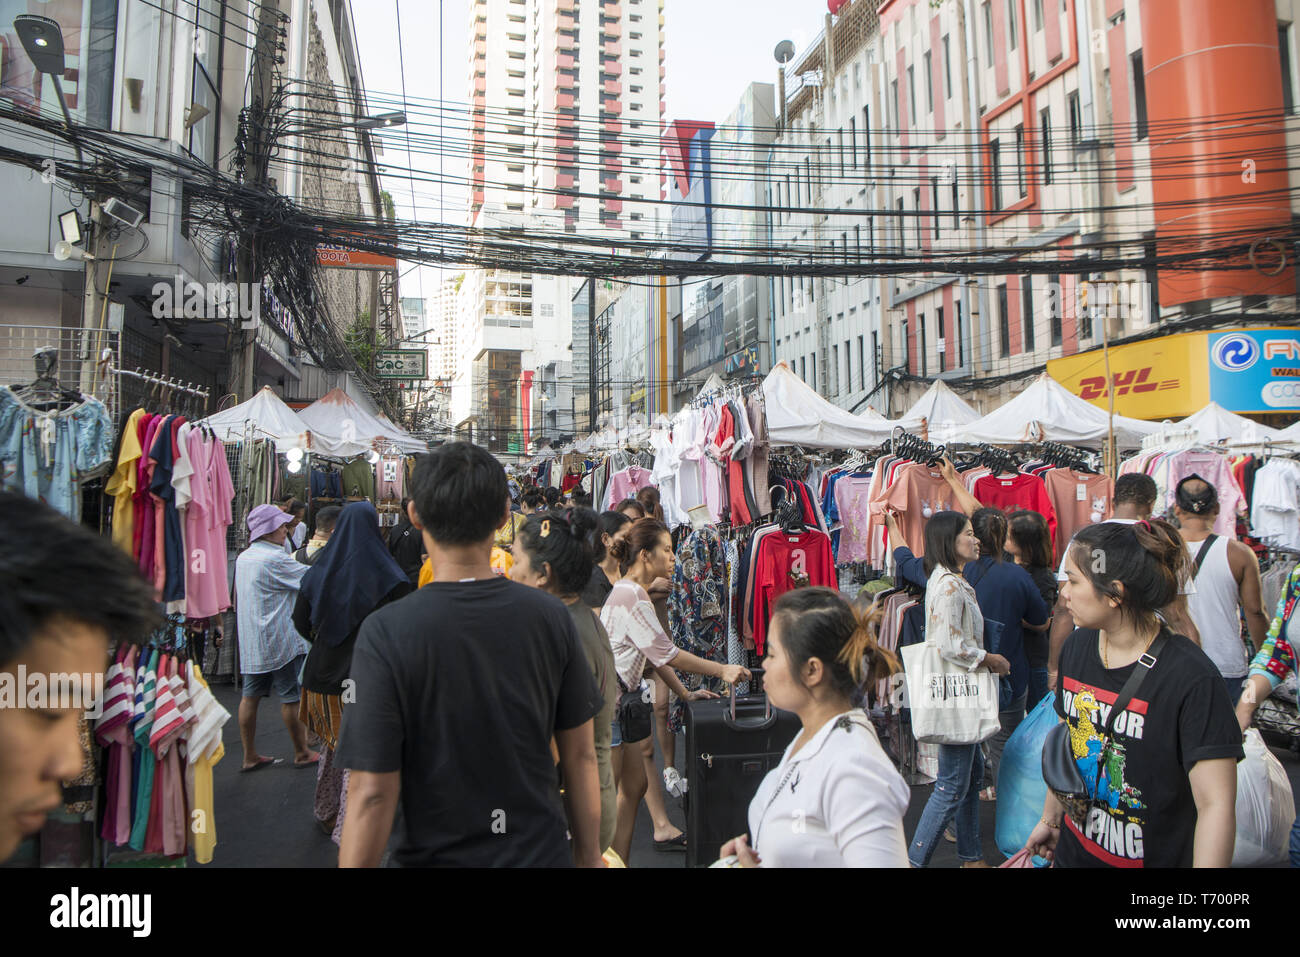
[[271, 652], [1227, 579], [1135, 499]]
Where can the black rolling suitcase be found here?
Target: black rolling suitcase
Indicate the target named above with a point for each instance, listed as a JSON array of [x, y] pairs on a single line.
[[730, 745]]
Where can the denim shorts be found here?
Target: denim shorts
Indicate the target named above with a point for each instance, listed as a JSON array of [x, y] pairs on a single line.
[[284, 679], [617, 740]]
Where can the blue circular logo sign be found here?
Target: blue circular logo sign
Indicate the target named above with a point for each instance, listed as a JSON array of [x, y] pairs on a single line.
[[1235, 353]]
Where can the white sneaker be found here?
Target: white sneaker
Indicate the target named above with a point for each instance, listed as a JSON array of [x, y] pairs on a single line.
[[674, 782]]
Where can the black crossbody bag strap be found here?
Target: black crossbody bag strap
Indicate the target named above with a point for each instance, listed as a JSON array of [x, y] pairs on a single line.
[[1144, 665], [1200, 556]]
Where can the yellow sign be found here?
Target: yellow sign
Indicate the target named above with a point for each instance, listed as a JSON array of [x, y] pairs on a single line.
[[1164, 378]]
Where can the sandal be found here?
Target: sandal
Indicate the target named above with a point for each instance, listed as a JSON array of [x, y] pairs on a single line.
[[263, 763], [677, 843]]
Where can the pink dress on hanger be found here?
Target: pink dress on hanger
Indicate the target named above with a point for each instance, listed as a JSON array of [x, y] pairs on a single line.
[[207, 587]]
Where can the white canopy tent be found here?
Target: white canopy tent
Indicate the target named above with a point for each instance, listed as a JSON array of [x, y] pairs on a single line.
[[945, 413], [796, 415], [1214, 423], [1290, 435], [264, 416], [341, 427], [1048, 412]]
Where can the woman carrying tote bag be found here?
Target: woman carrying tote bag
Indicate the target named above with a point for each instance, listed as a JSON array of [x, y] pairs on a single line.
[[954, 628]]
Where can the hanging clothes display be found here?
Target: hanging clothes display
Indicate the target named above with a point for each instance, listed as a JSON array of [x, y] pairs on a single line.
[[48, 448], [697, 607], [1010, 492], [161, 729], [173, 498], [1078, 499], [1168, 466], [1275, 511]]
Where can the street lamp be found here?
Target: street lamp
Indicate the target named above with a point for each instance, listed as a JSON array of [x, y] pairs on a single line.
[[42, 39], [370, 123]]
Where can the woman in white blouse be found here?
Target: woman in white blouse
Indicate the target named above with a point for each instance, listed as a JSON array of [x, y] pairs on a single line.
[[954, 624], [641, 647], [835, 799]]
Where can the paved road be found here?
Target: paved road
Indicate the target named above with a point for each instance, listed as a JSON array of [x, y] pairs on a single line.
[[265, 819]]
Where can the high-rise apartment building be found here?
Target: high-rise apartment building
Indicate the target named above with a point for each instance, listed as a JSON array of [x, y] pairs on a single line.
[[566, 102]]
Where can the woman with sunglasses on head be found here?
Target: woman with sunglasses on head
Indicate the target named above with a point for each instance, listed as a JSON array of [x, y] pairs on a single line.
[[835, 800], [642, 648], [1159, 777]]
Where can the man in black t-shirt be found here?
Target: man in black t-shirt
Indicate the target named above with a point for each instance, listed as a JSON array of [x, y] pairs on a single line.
[[458, 691]]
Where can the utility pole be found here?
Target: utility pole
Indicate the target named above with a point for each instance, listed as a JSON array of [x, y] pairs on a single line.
[[256, 170]]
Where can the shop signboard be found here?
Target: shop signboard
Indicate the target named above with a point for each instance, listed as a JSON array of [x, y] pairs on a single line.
[[1154, 379], [401, 364], [1255, 370]]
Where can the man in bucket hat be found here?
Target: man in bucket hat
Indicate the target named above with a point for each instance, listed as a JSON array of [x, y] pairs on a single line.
[[271, 652]]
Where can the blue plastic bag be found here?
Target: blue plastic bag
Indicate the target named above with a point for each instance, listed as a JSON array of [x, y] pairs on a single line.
[[1021, 788]]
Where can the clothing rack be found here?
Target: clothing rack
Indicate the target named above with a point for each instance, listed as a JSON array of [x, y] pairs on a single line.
[[1171, 437], [167, 382], [907, 446]]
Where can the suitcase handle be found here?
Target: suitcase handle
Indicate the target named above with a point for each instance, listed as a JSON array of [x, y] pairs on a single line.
[[753, 724]]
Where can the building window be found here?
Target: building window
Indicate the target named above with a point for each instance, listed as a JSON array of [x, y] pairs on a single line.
[[959, 333], [866, 138], [1011, 22], [840, 134], [934, 204], [1284, 53], [911, 96], [862, 364], [916, 208], [1076, 127], [1020, 161], [898, 226], [803, 367], [907, 348], [857, 242], [941, 344], [1045, 133], [1038, 15], [956, 204], [813, 382], [835, 370], [1027, 311], [1055, 303], [947, 69], [929, 84], [893, 87], [995, 172], [1139, 94], [1004, 321], [988, 30], [924, 350], [853, 140], [848, 368]]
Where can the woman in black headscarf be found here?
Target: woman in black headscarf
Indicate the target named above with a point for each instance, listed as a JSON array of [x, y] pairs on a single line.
[[354, 574]]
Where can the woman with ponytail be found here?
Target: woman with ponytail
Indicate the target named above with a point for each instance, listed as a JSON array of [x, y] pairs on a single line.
[[648, 499], [642, 648], [835, 800], [1161, 786]]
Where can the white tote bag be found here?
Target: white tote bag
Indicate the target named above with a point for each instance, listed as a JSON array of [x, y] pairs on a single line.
[[950, 705]]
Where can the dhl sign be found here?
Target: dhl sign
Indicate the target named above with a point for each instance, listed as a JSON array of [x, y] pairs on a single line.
[[1131, 381], [1163, 378], [1243, 370]]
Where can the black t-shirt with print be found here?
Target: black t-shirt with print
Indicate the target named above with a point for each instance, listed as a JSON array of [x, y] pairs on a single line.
[[1145, 815], [460, 686]]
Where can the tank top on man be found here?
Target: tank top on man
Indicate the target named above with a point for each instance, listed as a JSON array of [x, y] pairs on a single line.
[[1215, 608]]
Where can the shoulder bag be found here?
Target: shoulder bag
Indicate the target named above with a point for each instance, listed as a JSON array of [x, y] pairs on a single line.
[[1061, 771], [950, 705]]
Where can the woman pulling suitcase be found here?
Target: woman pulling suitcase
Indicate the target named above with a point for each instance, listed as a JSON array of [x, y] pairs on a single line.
[[835, 800], [642, 647]]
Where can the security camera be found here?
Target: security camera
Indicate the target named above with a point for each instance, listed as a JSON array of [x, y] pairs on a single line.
[[123, 213]]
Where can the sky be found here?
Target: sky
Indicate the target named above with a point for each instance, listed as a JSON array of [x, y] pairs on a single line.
[[713, 50]]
